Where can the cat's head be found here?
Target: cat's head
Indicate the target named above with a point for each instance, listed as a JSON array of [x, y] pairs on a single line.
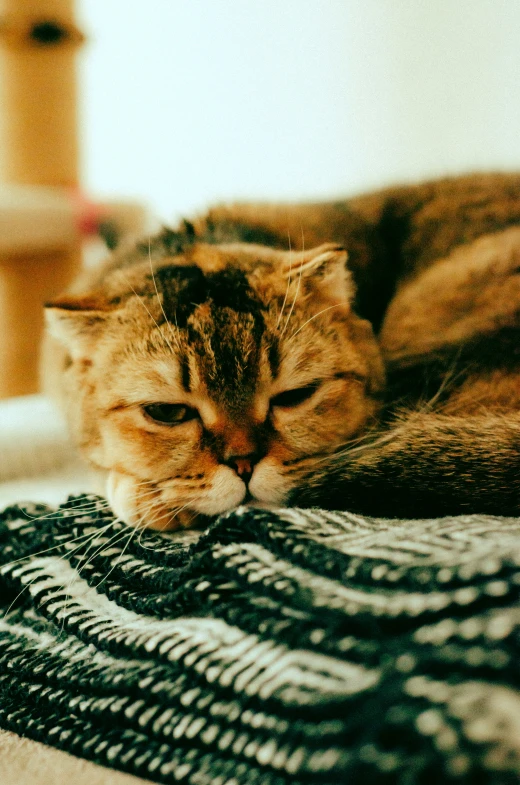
[[225, 375]]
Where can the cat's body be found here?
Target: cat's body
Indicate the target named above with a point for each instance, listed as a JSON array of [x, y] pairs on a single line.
[[271, 384]]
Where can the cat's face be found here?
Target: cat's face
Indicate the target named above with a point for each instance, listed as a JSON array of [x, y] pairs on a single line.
[[223, 378]]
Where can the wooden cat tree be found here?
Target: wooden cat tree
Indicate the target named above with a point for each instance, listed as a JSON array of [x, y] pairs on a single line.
[[40, 234]]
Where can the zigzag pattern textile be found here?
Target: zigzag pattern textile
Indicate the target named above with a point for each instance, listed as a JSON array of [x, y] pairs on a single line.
[[288, 646]]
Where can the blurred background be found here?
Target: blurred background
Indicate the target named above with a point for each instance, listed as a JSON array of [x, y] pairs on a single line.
[[116, 115], [185, 102]]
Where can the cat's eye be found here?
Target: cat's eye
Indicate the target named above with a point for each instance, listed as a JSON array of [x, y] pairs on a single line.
[[290, 398], [170, 413]]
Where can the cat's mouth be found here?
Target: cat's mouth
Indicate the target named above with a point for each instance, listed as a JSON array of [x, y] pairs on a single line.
[[168, 507]]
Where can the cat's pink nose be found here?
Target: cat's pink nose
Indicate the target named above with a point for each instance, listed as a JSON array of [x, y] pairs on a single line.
[[243, 465]]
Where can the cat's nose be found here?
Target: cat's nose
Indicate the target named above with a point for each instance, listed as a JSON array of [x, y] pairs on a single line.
[[243, 465]]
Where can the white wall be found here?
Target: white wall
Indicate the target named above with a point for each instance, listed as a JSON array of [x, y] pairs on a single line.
[[187, 102]]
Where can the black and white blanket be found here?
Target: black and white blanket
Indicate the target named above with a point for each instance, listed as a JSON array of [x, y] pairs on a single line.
[[294, 646]]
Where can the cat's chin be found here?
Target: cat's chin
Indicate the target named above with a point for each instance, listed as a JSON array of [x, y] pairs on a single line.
[[224, 492]]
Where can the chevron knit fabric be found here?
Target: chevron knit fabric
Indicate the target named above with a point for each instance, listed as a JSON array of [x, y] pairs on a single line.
[[288, 646]]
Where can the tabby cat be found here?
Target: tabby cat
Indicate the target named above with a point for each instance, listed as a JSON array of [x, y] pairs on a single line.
[[360, 354]]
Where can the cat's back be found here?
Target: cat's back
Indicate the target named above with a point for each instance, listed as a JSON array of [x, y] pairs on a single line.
[[456, 309], [424, 222]]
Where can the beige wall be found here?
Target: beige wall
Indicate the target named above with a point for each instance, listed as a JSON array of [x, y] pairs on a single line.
[[190, 101]]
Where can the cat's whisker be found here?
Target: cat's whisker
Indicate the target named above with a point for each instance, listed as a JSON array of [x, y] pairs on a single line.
[[297, 292], [145, 486], [152, 519], [173, 512], [91, 535], [146, 520], [119, 558], [145, 493], [372, 440], [103, 546], [147, 497], [82, 567], [298, 285], [315, 316], [175, 337], [288, 283], [146, 500], [77, 576], [362, 442], [57, 546], [177, 510], [60, 556], [450, 379], [173, 482], [370, 444], [87, 507], [140, 299]]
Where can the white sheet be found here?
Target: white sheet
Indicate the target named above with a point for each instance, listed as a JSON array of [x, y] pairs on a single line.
[[37, 461]]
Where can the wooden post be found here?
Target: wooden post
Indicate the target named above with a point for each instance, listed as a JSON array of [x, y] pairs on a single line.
[[39, 146]]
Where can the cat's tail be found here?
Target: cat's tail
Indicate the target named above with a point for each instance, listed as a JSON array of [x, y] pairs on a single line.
[[427, 464]]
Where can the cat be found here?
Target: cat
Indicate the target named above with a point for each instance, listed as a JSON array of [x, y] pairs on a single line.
[[360, 354]]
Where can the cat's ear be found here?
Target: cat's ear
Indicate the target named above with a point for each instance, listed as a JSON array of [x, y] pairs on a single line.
[[76, 321], [324, 271]]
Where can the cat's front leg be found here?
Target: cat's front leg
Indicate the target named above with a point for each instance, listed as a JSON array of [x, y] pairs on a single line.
[[427, 465]]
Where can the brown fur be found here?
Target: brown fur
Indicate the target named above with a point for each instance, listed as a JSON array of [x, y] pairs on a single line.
[[226, 324]]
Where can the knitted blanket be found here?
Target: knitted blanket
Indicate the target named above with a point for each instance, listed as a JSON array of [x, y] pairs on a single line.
[[289, 646]]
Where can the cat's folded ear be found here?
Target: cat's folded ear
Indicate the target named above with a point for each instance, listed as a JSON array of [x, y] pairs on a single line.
[[77, 320], [323, 271]]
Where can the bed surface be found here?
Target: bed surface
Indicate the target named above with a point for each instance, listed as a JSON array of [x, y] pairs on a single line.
[[287, 646], [27, 762]]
